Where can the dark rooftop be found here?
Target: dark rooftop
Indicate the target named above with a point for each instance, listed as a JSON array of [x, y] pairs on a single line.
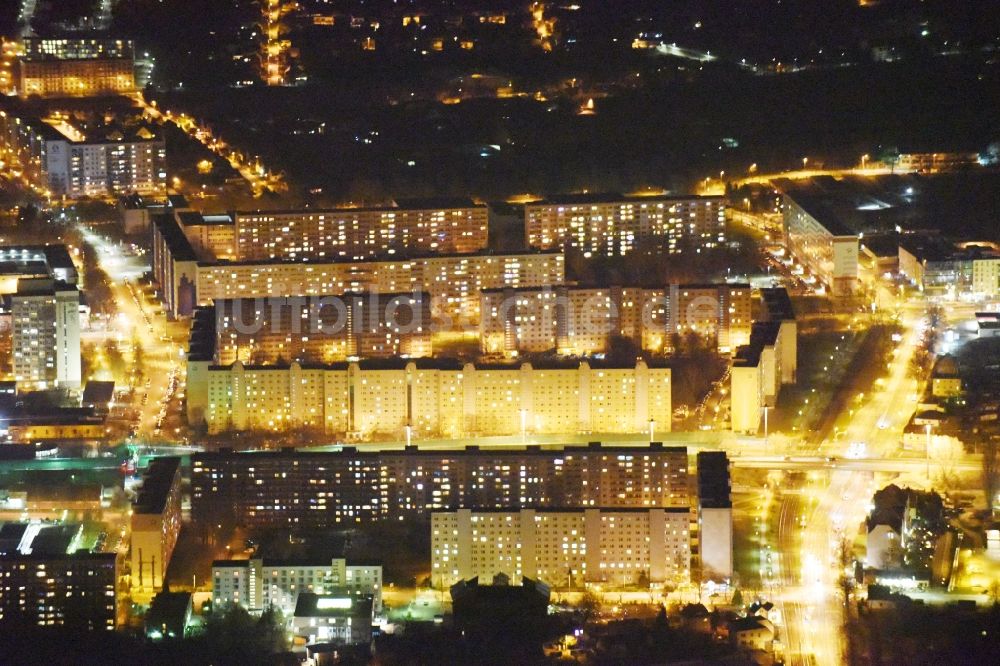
[[310, 604], [157, 481], [762, 334], [178, 244], [612, 197], [713, 480], [777, 303]]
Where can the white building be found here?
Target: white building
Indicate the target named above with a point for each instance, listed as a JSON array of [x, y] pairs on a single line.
[[986, 277], [45, 317], [563, 547], [258, 584]]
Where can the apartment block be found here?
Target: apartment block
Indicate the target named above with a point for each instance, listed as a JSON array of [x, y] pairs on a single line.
[[452, 280], [433, 398], [155, 526], [45, 324], [410, 226], [73, 159], [986, 277], [715, 516], [614, 225], [718, 310], [569, 547], [322, 489], [575, 321], [76, 591], [323, 329]]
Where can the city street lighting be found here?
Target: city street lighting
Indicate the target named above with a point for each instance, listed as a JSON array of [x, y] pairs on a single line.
[[864, 160], [652, 430], [409, 434]]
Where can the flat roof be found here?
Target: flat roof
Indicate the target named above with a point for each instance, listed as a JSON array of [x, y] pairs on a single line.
[[584, 198], [777, 302], [762, 334], [157, 480], [714, 489], [380, 259], [178, 244], [436, 203], [468, 451]]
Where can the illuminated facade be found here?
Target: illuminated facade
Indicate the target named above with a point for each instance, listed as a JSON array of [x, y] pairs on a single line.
[[76, 67], [720, 311], [583, 321], [422, 226], [822, 244], [453, 281], [433, 398], [322, 489], [613, 225], [258, 584], [986, 277], [574, 321], [613, 547], [45, 324], [319, 330], [64, 160], [757, 373]]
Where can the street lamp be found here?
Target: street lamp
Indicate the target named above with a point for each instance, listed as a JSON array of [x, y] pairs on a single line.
[[652, 430], [864, 160], [805, 161], [409, 434]]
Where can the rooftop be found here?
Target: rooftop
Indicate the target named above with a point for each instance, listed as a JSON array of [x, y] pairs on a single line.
[[309, 604], [437, 203], [714, 489], [351, 452], [960, 204], [157, 481], [762, 334], [613, 197]]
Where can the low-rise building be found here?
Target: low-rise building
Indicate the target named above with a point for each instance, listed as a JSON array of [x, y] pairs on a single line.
[[169, 616], [326, 618], [260, 583]]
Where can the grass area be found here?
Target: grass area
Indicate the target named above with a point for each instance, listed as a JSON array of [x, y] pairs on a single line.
[[801, 405]]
